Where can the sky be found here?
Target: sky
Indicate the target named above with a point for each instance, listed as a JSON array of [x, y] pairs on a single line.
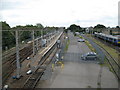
[[60, 13]]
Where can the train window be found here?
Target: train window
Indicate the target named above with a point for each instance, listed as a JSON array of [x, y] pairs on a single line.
[[114, 39], [111, 38]]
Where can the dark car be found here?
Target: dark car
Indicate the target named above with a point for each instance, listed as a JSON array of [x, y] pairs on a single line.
[[89, 56]]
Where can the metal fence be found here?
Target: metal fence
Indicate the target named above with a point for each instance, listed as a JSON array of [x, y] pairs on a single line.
[[58, 57]]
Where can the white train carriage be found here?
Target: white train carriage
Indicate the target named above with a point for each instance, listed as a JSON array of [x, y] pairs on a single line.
[[109, 38]]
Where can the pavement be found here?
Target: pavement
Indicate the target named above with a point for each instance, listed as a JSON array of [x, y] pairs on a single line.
[[77, 73]]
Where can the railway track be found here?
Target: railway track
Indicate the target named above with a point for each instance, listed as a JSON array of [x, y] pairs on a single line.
[[12, 57], [112, 62], [10, 65], [47, 57], [114, 65], [10, 54], [32, 81]]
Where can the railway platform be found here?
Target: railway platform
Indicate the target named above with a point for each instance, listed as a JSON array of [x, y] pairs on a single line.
[[27, 64]]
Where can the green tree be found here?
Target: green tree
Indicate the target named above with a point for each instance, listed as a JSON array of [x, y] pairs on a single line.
[[66, 30], [5, 26], [40, 25], [99, 26], [117, 27], [25, 35], [75, 28], [8, 40]]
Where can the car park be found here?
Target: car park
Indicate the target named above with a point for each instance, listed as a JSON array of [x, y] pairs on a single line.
[[89, 56]]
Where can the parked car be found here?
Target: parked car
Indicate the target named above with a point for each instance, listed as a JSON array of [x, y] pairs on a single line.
[[81, 40], [89, 56]]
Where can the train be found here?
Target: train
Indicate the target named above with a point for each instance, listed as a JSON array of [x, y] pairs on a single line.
[[109, 38]]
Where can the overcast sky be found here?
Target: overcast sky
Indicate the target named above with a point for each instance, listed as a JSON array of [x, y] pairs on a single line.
[[60, 12]]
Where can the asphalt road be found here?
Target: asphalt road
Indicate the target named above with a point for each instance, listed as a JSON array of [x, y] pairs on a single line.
[[77, 73], [98, 50]]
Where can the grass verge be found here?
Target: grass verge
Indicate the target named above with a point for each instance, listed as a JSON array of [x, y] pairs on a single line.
[[114, 53], [88, 44], [67, 45]]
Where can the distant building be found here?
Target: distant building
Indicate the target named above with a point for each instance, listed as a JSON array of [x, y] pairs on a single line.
[[89, 29], [111, 31], [62, 28], [115, 31], [106, 31]]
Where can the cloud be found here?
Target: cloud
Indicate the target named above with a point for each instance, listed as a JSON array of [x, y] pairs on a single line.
[[60, 12], [10, 4]]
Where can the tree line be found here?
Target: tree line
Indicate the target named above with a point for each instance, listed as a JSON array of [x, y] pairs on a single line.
[[8, 36], [8, 33], [98, 28], [77, 28]]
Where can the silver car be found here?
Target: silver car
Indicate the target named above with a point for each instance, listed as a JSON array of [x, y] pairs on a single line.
[[81, 40], [89, 56]]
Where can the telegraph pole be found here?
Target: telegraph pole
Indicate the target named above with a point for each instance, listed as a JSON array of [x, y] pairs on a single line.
[[32, 59], [42, 33], [42, 37], [17, 55], [33, 38], [1, 56], [37, 44]]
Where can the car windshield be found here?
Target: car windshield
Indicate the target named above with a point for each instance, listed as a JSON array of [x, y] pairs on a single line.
[[91, 55]]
